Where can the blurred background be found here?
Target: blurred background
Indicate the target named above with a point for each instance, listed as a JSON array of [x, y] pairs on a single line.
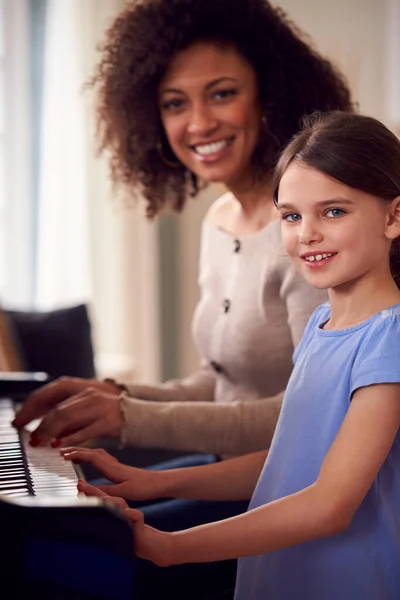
[[66, 239]]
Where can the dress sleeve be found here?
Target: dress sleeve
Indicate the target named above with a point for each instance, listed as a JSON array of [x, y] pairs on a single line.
[[378, 359], [225, 429], [198, 387]]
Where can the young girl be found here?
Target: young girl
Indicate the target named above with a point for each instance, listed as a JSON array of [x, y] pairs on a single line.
[[324, 519]]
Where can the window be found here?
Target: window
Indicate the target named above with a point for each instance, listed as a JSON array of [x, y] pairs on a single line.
[[2, 144], [15, 166]]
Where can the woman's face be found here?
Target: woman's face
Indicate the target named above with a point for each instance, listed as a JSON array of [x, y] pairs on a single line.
[[210, 108]]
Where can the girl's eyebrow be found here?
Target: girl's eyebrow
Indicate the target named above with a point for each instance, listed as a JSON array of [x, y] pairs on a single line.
[[321, 203], [208, 86]]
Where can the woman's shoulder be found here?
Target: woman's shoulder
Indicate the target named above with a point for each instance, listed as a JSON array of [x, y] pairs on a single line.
[[220, 210]]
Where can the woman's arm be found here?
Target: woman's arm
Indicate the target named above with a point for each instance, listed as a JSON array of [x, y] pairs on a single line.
[[198, 386], [324, 508], [225, 429]]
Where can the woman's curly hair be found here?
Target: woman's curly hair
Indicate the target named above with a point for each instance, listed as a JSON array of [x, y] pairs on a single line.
[[293, 81]]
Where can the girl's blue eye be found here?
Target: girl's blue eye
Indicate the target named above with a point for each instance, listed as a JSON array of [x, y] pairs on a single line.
[[291, 217], [334, 213]]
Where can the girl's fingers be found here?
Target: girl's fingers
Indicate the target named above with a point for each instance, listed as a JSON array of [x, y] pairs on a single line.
[[135, 516], [100, 459], [90, 490]]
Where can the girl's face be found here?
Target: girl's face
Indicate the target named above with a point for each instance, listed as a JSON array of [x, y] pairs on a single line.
[[210, 109], [335, 234]]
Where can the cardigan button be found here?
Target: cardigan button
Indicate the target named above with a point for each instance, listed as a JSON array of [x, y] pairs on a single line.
[[216, 366], [236, 245], [226, 305]]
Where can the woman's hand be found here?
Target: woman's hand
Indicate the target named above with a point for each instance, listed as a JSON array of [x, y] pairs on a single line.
[[48, 396], [150, 544], [129, 482], [90, 412]]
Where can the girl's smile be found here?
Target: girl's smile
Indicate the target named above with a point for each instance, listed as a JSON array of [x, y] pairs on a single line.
[[317, 260]]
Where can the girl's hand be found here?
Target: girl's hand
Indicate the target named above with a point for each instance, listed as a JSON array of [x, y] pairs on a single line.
[[129, 482], [150, 544], [92, 490]]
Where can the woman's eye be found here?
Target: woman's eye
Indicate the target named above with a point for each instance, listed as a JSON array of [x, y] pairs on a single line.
[[224, 94], [334, 213], [172, 104], [291, 217]]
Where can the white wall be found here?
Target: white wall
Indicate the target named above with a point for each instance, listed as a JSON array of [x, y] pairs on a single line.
[[352, 33], [124, 248]]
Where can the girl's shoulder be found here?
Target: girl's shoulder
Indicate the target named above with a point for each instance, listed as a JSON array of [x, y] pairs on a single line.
[[385, 325]]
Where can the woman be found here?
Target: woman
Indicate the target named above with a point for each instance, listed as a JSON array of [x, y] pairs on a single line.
[[190, 92]]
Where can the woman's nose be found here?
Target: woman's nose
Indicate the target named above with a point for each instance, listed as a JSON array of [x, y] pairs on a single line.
[[201, 120]]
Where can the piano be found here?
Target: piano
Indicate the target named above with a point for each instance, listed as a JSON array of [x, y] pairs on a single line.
[[56, 545]]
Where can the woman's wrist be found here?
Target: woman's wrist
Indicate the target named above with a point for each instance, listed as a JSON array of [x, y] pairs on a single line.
[[113, 387]]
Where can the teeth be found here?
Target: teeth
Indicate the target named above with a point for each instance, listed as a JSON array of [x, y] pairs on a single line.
[[211, 148], [318, 257]]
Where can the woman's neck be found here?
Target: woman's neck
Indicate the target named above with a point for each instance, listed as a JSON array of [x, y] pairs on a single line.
[[252, 209]]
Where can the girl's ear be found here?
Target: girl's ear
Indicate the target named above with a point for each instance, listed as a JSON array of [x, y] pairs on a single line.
[[393, 223]]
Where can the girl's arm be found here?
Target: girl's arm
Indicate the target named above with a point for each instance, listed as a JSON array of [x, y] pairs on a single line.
[[324, 508], [233, 479]]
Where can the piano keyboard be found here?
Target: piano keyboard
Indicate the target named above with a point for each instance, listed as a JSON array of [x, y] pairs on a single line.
[[29, 471]]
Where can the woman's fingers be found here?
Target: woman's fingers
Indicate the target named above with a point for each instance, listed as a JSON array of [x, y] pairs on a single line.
[[69, 416], [87, 415], [90, 432], [48, 396]]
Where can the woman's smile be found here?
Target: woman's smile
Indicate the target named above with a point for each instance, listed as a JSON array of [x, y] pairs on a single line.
[[212, 151]]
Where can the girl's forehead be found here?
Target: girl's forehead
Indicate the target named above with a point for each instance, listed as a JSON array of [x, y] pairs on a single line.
[[302, 183], [300, 177], [305, 186]]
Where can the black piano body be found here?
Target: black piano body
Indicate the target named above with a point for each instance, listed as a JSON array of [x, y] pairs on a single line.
[[56, 549], [55, 545]]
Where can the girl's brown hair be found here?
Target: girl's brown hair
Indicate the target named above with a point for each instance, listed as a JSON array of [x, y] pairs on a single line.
[[358, 151]]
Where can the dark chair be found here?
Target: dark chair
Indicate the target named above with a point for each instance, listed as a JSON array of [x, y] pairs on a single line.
[[57, 342]]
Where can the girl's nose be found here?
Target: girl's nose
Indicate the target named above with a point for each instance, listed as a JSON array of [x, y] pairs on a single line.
[[309, 233]]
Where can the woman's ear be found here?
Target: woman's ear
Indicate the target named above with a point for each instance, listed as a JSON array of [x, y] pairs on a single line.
[[393, 223]]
